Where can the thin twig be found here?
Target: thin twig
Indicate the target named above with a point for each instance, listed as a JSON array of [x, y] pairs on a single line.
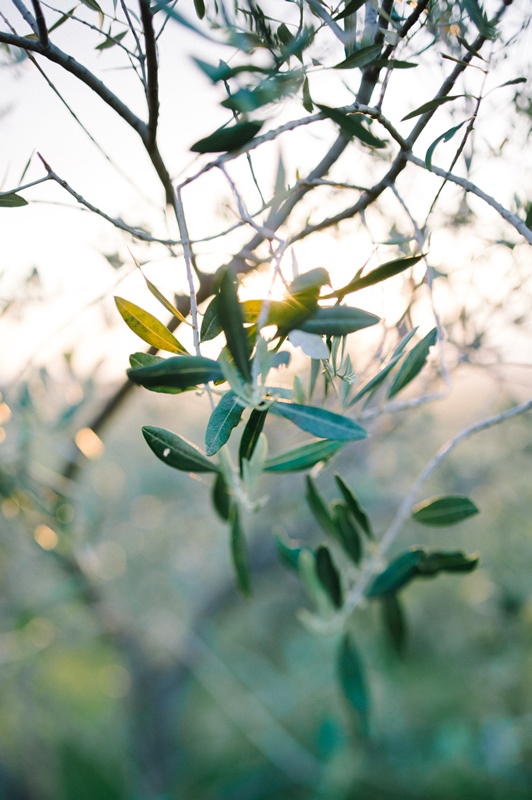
[[152, 84], [189, 260], [41, 23]]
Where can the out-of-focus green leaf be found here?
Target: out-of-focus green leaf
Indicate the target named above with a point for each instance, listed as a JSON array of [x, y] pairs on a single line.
[[199, 7], [223, 419], [480, 19], [329, 576], [308, 105], [179, 372], [436, 102], [382, 273], [147, 327], [350, 8], [303, 457], [223, 72], [319, 508], [413, 363], [338, 321], [12, 200], [456, 561], [176, 451], [399, 348], [320, 422], [289, 552], [394, 622], [61, 20], [164, 302], [110, 41], [445, 137], [353, 680], [397, 574], [393, 63], [269, 90], [239, 553], [143, 360], [222, 499], [441, 511], [211, 325], [251, 434], [361, 57], [354, 506], [377, 380], [232, 321], [351, 126], [347, 531], [228, 139]]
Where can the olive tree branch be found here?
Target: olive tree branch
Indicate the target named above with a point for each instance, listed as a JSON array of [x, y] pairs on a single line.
[[152, 82], [41, 23]]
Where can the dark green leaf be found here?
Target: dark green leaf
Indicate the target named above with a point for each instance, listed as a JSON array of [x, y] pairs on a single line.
[[347, 531], [393, 63], [394, 622], [228, 139], [457, 561], [441, 511], [512, 82], [143, 360], [222, 498], [239, 553], [445, 137], [377, 380], [223, 72], [413, 363], [479, 18], [338, 321], [329, 576], [361, 57], [353, 681], [223, 419], [382, 273], [303, 457], [431, 105], [351, 126], [199, 7], [176, 451], [232, 321], [179, 372], [528, 218], [251, 434], [93, 5], [61, 20], [12, 200], [399, 348], [211, 325], [110, 41], [354, 506], [319, 508], [289, 552], [308, 105], [320, 422], [397, 574], [350, 8]]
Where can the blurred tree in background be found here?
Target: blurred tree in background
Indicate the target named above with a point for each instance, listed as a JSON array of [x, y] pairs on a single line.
[[319, 214]]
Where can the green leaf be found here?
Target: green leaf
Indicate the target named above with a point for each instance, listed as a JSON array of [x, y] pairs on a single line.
[[347, 531], [308, 105], [353, 681], [61, 20], [445, 137], [350, 8], [93, 5], [222, 498], [436, 562], [338, 321], [320, 422], [289, 552], [239, 553], [251, 434], [351, 126], [436, 102], [232, 322], [399, 348], [303, 457], [354, 506], [164, 302], [413, 363], [211, 325], [223, 419], [393, 63], [397, 574], [329, 576], [377, 380], [479, 18], [110, 41], [143, 360], [319, 508], [199, 7], [394, 622], [12, 200], [147, 327], [176, 451], [382, 273], [513, 82], [441, 511], [179, 372], [361, 57], [228, 139]]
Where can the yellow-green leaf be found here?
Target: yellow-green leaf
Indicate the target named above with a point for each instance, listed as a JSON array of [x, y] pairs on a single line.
[[148, 327]]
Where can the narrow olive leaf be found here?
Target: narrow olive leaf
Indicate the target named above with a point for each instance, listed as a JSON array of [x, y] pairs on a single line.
[[176, 451], [320, 422], [61, 20], [397, 574], [251, 434], [393, 63], [354, 506], [351, 126], [445, 137], [199, 7], [338, 321], [232, 322], [239, 553], [12, 200], [441, 511], [164, 302], [223, 419], [147, 327], [211, 325], [353, 681], [310, 282], [347, 531], [222, 498], [228, 139], [110, 41], [289, 552], [394, 622], [511, 83], [436, 102], [304, 457], [143, 360], [479, 18], [179, 372], [319, 508], [413, 363], [308, 105], [360, 58], [457, 561], [350, 8], [377, 380], [329, 576], [400, 346], [382, 273]]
